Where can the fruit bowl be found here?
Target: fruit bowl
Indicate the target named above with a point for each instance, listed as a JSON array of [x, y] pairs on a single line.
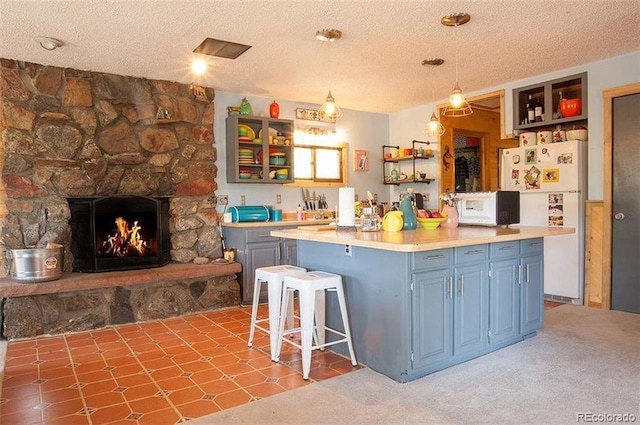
[[430, 223]]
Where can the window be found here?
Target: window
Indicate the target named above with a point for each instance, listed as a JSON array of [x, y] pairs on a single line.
[[320, 164]]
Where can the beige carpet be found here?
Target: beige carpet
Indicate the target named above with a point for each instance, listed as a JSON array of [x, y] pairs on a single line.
[[583, 361]]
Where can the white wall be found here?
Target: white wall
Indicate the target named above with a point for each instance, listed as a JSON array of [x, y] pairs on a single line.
[[364, 130], [408, 125], [361, 130], [608, 73]]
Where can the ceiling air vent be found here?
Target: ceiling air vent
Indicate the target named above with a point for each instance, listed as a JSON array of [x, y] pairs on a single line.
[[221, 48]]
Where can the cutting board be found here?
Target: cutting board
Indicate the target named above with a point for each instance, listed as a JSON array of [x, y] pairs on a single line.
[[320, 228]]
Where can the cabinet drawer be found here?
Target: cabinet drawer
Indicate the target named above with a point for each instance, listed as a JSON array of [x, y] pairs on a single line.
[[261, 234], [504, 249], [531, 246], [470, 254], [431, 259]]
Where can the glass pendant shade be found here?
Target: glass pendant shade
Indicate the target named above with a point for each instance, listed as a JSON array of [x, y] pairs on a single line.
[[330, 111], [458, 105], [434, 128]]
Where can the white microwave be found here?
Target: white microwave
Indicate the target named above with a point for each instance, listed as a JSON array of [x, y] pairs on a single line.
[[488, 208]]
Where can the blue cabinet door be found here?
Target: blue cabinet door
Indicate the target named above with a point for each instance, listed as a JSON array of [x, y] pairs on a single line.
[[532, 296], [259, 255], [471, 316], [504, 314], [289, 252], [431, 317]]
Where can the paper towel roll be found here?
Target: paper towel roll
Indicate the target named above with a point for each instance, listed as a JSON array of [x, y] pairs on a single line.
[[346, 206]]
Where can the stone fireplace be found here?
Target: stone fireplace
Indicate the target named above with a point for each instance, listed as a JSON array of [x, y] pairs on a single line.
[[72, 134]]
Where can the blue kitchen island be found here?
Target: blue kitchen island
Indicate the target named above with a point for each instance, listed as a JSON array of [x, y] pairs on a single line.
[[423, 300]]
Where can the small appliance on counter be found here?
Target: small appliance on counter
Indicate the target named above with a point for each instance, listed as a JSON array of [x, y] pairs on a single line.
[[495, 208], [249, 213]]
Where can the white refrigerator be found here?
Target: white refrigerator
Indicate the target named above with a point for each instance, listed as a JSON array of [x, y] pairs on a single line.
[[552, 180]]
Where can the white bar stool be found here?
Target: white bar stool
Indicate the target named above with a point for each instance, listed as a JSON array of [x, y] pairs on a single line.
[[311, 287], [274, 277]]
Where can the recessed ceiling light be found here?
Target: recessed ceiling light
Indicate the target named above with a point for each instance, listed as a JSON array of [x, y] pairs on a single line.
[[221, 48], [49, 43], [198, 66]]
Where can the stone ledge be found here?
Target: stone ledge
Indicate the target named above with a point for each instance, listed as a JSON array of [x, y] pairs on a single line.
[[69, 282]]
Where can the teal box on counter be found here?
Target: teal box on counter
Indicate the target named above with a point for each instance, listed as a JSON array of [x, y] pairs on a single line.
[[249, 213]]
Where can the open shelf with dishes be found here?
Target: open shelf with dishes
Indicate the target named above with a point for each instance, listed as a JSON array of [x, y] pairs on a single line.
[[394, 155], [259, 149], [563, 101]]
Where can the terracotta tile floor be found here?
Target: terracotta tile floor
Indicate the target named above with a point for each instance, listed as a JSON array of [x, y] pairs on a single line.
[[159, 372]]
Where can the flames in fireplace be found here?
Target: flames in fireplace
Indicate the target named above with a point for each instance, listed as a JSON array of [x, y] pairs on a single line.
[[127, 240]]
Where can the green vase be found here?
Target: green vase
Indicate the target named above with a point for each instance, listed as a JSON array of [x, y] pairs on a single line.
[[245, 107]]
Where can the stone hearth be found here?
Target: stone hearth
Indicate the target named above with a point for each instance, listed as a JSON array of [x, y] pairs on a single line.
[[70, 133]]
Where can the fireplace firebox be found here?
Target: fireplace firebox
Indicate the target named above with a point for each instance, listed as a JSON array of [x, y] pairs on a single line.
[[123, 232]]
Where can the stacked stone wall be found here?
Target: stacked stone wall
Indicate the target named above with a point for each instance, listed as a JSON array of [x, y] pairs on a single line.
[[72, 133]]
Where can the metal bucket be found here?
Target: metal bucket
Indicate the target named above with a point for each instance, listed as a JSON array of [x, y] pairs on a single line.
[[36, 264]]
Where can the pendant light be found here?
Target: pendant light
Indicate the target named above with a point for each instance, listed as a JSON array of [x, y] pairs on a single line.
[[458, 105], [329, 111], [434, 127]]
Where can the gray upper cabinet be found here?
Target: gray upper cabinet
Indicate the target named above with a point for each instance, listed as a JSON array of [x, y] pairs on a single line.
[[259, 150], [548, 94]]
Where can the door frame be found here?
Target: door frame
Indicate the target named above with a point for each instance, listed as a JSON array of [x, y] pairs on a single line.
[[607, 246], [450, 130]]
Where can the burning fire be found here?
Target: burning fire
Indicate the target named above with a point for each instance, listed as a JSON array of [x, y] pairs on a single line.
[[126, 242]]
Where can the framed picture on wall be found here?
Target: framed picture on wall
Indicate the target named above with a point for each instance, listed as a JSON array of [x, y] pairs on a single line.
[[361, 160]]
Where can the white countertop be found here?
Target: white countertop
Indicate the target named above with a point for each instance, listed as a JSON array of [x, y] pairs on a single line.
[[421, 239]]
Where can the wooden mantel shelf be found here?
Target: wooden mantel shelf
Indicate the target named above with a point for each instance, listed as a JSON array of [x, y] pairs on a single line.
[[69, 282]]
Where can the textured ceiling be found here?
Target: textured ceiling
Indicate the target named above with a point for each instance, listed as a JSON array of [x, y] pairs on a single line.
[[376, 66]]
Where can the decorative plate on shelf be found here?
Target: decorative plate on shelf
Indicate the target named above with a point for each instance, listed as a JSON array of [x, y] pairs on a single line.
[[272, 133], [250, 133]]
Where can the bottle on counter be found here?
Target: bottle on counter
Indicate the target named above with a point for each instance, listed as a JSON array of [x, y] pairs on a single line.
[[299, 213]]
